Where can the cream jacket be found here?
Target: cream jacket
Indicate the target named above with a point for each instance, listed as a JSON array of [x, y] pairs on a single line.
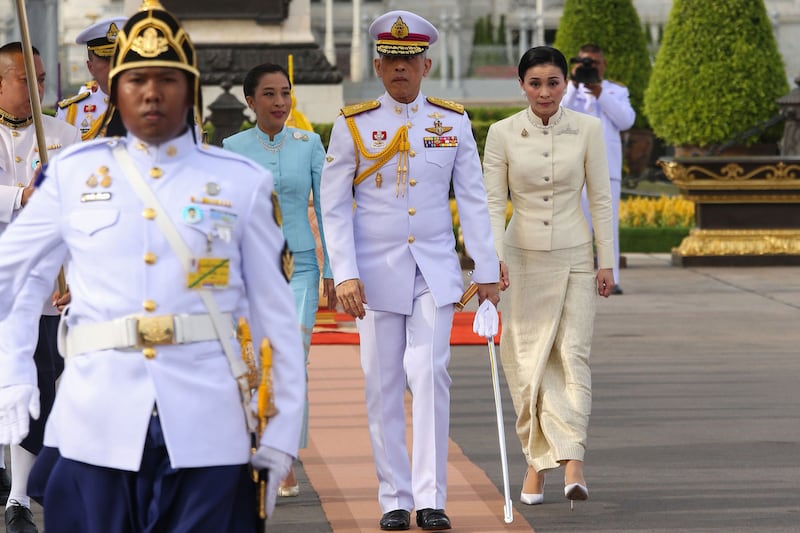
[[544, 169]]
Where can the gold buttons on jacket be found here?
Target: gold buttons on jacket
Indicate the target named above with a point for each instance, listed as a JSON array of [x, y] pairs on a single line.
[[410, 239], [149, 213], [18, 159], [413, 183], [150, 258], [412, 211], [149, 352], [412, 153], [156, 173], [15, 134], [149, 306]]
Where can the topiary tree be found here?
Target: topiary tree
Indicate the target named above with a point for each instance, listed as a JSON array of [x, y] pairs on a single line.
[[717, 73], [613, 25]]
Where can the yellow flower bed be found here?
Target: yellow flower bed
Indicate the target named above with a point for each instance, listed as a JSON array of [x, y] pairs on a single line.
[[661, 212]]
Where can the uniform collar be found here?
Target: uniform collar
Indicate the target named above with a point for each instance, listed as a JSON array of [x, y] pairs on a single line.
[[10, 121], [264, 138], [171, 150], [403, 110]]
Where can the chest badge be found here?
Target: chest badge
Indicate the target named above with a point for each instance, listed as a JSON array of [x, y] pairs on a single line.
[[438, 128], [192, 214], [379, 139]]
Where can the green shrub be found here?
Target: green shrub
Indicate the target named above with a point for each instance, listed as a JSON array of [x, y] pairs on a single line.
[[650, 240], [717, 73], [613, 25]]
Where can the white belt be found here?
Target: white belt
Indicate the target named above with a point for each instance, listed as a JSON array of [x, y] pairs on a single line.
[[133, 332]]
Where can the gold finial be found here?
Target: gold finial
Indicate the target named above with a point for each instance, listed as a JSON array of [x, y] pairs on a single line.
[[399, 29], [147, 5]]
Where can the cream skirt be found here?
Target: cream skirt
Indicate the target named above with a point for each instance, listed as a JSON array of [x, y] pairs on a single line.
[[547, 332]]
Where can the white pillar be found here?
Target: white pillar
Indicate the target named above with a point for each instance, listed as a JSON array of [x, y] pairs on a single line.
[[356, 50], [539, 38], [456, 50], [369, 48], [523, 34], [443, 36], [330, 49]]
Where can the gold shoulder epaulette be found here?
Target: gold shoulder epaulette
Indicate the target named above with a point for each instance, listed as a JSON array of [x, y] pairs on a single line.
[[66, 102], [355, 109], [447, 104], [91, 84]]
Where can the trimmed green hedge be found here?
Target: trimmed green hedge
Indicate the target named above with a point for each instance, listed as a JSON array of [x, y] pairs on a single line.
[[613, 25], [717, 73], [650, 240]]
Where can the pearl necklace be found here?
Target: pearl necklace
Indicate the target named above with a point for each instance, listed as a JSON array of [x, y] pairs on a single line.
[[272, 148], [554, 119]]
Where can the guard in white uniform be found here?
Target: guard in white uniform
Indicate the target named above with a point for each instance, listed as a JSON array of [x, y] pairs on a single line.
[[394, 260], [170, 243], [86, 109], [31, 326], [609, 102]]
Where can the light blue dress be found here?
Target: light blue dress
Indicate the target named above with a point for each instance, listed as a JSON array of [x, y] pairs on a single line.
[[295, 158]]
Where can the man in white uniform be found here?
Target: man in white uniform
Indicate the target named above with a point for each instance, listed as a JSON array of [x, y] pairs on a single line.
[[609, 102], [394, 260], [86, 109], [149, 420], [36, 317]]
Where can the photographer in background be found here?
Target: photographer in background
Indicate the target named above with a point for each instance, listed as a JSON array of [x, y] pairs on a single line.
[[589, 93]]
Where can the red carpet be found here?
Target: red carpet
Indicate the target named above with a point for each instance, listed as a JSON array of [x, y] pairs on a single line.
[[340, 328]]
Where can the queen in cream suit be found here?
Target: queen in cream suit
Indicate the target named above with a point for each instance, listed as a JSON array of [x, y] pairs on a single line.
[[394, 260], [543, 156]]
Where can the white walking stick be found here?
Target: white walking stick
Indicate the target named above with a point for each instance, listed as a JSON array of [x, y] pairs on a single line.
[[501, 432]]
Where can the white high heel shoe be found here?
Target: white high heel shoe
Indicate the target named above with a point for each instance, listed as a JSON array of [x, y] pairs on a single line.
[[575, 491], [532, 498]]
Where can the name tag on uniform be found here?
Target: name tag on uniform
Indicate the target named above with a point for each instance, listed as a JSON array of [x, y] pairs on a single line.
[[445, 141], [209, 273]]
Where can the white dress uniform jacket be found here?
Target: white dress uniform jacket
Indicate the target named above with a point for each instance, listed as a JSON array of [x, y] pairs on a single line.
[[85, 110], [19, 155], [545, 168], [121, 264], [614, 110], [393, 229]]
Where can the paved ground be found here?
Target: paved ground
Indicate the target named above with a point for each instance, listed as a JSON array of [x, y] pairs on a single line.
[[695, 424], [696, 417]]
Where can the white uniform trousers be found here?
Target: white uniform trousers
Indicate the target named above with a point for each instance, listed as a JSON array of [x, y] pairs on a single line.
[[616, 195], [415, 348]]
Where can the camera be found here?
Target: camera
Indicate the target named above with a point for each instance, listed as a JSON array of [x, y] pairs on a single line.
[[586, 72]]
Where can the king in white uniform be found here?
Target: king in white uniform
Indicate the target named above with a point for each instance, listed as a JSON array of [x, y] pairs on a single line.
[[394, 261]]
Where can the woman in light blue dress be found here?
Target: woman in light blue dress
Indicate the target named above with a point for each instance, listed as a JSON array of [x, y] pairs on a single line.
[[295, 158]]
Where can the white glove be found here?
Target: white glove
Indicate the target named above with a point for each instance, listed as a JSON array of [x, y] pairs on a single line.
[[278, 464], [486, 320], [18, 404]]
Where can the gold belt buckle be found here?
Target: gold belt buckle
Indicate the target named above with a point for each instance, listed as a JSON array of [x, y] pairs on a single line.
[[154, 330]]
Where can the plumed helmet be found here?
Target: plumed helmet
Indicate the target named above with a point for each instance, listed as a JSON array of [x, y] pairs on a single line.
[[152, 37]]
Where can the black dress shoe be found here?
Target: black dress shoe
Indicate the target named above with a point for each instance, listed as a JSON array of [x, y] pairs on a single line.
[[397, 520], [432, 519], [5, 486], [19, 519]]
